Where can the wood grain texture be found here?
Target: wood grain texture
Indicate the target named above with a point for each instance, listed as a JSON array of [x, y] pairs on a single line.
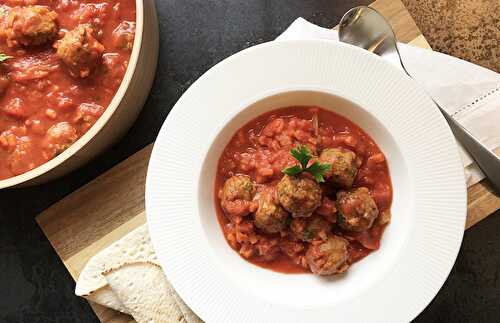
[[99, 213], [96, 215], [106, 209], [402, 23], [481, 201]]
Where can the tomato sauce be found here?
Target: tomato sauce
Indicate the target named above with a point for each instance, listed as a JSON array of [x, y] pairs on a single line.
[[261, 150], [44, 108]]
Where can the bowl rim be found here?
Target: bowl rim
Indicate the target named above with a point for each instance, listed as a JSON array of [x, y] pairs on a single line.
[[101, 121], [195, 289]]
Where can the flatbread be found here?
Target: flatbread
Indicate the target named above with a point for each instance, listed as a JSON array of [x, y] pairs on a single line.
[[189, 315], [91, 284], [132, 259], [106, 297], [144, 290]]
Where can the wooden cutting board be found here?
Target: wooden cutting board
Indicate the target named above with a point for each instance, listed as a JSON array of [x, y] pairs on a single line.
[[104, 210]]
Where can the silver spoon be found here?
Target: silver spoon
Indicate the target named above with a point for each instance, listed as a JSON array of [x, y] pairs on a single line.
[[366, 28]]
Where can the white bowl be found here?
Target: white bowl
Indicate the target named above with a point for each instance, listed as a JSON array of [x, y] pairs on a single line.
[[419, 246], [120, 113]]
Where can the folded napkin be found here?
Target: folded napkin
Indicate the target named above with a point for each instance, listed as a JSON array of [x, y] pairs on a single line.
[[127, 277]]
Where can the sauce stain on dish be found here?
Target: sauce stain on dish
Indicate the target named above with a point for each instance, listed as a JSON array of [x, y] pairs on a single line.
[[279, 222], [66, 62]]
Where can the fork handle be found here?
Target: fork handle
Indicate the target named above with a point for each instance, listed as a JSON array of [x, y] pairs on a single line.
[[486, 159]]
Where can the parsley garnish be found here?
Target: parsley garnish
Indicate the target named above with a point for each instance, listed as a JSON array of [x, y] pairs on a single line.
[[4, 57], [303, 156], [292, 171]]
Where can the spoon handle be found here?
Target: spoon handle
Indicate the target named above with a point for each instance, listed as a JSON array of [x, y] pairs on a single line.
[[486, 159]]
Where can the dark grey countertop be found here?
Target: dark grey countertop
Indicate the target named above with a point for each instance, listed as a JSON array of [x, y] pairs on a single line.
[[196, 34]]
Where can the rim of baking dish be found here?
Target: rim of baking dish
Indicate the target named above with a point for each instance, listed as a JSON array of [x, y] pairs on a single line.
[[103, 119]]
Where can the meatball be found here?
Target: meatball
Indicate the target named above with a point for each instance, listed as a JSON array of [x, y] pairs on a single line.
[[237, 195], [15, 108], [87, 114], [356, 209], [58, 138], [299, 195], [30, 26], [19, 161], [80, 51], [328, 257], [270, 216], [344, 168], [123, 35], [309, 229]]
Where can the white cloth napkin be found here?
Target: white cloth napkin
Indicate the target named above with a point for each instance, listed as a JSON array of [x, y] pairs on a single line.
[[470, 93], [126, 275]]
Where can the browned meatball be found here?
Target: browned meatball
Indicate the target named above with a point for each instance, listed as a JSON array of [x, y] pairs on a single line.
[[299, 195], [312, 228], [328, 257], [30, 26], [80, 51], [19, 161], [236, 195], [356, 209], [123, 35], [87, 114], [344, 168], [270, 216], [58, 138]]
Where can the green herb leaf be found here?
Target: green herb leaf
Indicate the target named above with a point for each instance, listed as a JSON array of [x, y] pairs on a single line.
[[292, 171], [4, 57], [318, 170], [302, 154], [319, 178]]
